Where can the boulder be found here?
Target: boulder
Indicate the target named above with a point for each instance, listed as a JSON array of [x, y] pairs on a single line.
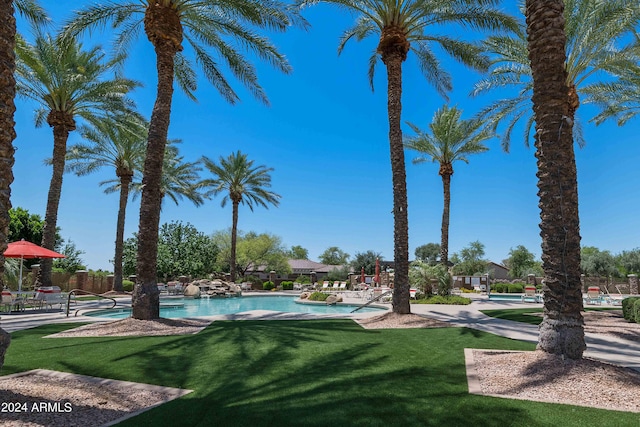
[[5, 340], [332, 299], [192, 291], [304, 295]]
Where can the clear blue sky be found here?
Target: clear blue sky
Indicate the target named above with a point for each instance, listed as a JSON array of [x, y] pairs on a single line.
[[325, 134]]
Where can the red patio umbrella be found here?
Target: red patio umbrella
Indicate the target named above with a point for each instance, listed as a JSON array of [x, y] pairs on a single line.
[[377, 271], [27, 250], [362, 275]]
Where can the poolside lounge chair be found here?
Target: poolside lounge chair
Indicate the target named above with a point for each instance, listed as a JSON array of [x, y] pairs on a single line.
[[613, 299], [325, 286], [336, 286], [594, 296], [412, 293], [530, 294], [11, 303], [343, 286]]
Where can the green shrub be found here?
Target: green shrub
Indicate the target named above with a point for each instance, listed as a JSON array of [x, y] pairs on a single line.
[[636, 310], [268, 285], [440, 299], [515, 288], [256, 283], [499, 288], [303, 279], [628, 308], [287, 285], [127, 285], [318, 296]]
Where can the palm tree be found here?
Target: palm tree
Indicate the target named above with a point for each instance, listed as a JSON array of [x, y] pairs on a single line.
[[619, 100], [180, 179], [68, 83], [562, 328], [451, 139], [32, 11], [205, 25], [120, 144], [401, 28], [243, 183], [593, 57]]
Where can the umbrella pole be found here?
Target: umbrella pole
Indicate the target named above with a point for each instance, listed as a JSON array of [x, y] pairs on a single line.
[[20, 279]]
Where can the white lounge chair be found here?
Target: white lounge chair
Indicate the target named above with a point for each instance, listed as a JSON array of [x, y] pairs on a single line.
[[530, 294], [594, 296]]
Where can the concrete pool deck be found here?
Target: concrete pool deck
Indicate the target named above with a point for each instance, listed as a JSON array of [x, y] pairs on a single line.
[[601, 347]]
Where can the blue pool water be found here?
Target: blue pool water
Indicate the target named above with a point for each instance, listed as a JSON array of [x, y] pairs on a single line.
[[506, 297], [187, 307]]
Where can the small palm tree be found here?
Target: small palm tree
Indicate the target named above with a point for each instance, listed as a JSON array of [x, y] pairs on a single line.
[[243, 183], [401, 27], [208, 27], [68, 83], [451, 139], [562, 327], [120, 144], [597, 51]]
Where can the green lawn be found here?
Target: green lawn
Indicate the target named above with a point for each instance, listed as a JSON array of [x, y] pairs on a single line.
[[525, 315], [311, 373]]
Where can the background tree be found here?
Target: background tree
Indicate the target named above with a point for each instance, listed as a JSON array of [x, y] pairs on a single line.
[[182, 250], [562, 327], [25, 225], [209, 27], [628, 262], [242, 183], [338, 274], [520, 261], [28, 226], [592, 57], [334, 256], [69, 83], [401, 27], [72, 261], [429, 253], [451, 139], [298, 252], [367, 260], [253, 251], [119, 144], [594, 262], [470, 261]]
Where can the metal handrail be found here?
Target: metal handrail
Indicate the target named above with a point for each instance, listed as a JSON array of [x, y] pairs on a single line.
[[73, 292], [373, 300]]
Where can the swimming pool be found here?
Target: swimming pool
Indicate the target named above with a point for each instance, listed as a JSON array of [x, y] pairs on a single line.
[[188, 307], [505, 297]]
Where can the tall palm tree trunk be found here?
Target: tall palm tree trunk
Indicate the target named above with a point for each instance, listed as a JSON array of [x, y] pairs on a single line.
[[562, 328], [62, 123], [125, 182], [162, 26], [7, 135], [444, 231], [234, 240], [393, 61]]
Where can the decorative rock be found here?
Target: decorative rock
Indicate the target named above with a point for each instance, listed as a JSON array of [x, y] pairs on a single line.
[[5, 340], [304, 295], [192, 291], [331, 299]]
